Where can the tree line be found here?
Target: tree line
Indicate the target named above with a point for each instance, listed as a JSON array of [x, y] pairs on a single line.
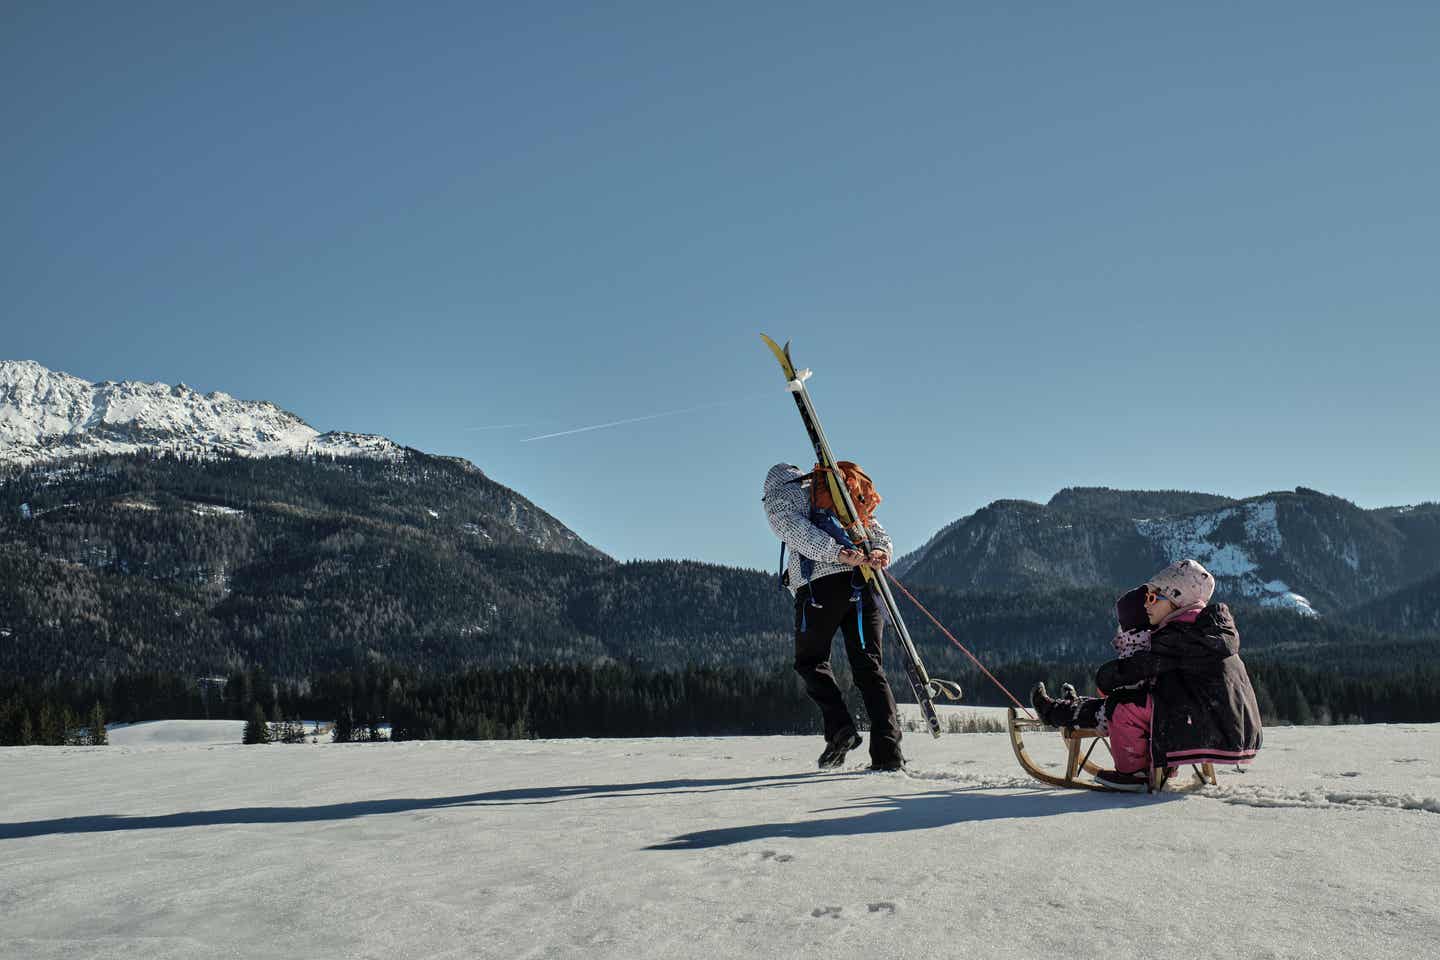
[[604, 700], [52, 723], [551, 700]]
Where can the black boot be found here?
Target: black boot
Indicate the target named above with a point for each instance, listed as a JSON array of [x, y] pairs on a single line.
[[845, 740], [889, 765], [1128, 782], [1055, 713]]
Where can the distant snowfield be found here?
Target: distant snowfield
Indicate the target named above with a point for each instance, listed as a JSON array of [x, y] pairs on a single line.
[[170, 733], [174, 733], [702, 848]]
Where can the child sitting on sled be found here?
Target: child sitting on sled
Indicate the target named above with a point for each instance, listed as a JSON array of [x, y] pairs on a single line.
[[1186, 697]]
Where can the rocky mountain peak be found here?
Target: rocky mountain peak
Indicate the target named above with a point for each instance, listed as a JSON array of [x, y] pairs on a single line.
[[48, 415]]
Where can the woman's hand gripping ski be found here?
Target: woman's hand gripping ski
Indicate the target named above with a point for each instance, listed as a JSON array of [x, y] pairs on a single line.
[[877, 560]]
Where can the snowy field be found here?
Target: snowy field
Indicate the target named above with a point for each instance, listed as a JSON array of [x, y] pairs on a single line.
[[174, 733], [182, 845]]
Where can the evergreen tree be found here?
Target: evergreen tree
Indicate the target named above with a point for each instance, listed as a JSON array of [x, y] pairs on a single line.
[[1302, 715], [98, 736], [256, 729], [344, 731], [1263, 700], [52, 730], [68, 724]]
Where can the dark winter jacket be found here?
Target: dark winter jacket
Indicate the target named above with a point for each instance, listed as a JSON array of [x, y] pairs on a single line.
[[1205, 710]]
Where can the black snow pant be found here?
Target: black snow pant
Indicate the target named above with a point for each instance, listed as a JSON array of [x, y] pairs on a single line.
[[820, 608]]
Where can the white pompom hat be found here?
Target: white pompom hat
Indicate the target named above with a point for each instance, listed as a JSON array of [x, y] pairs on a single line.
[[1184, 583]]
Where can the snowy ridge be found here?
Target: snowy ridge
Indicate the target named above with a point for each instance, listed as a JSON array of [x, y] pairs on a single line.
[[1232, 563], [47, 415]]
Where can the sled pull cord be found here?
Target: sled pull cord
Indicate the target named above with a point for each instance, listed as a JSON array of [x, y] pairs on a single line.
[[951, 637]]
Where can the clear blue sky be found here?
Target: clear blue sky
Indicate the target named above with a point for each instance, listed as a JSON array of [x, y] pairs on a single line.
[[1023, 246]]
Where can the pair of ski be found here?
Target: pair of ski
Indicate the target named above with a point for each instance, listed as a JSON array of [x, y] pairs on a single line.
[[925, 689]]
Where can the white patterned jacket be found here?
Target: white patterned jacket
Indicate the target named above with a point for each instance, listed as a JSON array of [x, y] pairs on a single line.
[[787, 507]]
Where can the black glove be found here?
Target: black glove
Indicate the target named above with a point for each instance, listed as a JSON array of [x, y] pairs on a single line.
[[1126, 673]]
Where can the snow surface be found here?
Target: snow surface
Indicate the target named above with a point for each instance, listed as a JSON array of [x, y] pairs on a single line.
[[170, 733], [700, 848]]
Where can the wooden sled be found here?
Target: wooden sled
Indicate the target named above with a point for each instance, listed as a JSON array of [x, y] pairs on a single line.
[[1077, 762]]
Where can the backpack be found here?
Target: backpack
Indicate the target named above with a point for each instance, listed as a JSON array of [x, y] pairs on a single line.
[[862, 490], [824, 515]]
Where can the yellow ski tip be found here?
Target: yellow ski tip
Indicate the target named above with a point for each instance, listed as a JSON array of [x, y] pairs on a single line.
[[782, 354]]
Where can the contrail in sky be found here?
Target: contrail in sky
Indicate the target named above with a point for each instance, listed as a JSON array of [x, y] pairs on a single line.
[[501, 426], [648, 416]]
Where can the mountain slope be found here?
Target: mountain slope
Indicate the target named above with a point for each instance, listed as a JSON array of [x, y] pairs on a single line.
[[136, 562], [1303, 550], [1410, 610], [1016, 545]]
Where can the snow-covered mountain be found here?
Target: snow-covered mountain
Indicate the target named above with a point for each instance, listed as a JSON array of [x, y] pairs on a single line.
[[1238, 563], [46, 415], [1302, 549]]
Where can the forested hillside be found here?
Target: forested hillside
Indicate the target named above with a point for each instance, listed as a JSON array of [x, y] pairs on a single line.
[[280, 572], [1301, 549], [1414, 609], [141, 562]]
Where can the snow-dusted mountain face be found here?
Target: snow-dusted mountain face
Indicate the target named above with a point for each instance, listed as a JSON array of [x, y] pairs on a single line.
[[1301, 550], [47, 415], [132, 562], [145, 526]]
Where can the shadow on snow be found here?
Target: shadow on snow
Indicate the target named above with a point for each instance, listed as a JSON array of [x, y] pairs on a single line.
[[886, 814], [104, 823], [918, 811]]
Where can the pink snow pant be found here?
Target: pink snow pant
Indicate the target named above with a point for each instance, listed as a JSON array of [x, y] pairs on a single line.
[[1130, 736]]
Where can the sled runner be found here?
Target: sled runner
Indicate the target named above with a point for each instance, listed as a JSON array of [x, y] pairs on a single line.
[[1077, 757]]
